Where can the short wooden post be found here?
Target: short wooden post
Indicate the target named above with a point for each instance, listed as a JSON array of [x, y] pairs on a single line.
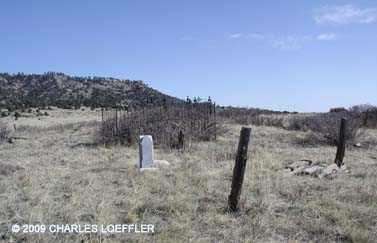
[[102, 126], [181, 140], [239, 169], [102, 115], [116, 124], [214, 117], [341, 143]]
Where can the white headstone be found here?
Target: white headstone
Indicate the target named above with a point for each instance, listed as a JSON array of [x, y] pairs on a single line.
[[146, 153]]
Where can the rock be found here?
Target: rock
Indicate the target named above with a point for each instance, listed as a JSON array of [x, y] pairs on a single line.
[[285, 171], [314, 170], [357, 145], [148, 169], [161, 163], [306, 167], [298, 167], [7, 169], [299, 163], [332, 171]]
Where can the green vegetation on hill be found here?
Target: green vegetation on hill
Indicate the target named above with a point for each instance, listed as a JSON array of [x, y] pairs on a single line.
[[21, 91]]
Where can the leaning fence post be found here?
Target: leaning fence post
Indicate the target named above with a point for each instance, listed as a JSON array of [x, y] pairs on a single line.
[[239, 169], [341, 143]]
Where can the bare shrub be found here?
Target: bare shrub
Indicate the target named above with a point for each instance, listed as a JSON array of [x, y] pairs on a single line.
[[367, 114], [253, 116], [225, 152], [369, 119], [236, 114], [311, 139], [327, 124], [169, 126], [4, 132], [268, 120]]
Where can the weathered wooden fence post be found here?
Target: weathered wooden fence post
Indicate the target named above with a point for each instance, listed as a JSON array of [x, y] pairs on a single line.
[[116, 125], [102, 115], [181, 140], [239, 169], [214, 117], [341, 143]]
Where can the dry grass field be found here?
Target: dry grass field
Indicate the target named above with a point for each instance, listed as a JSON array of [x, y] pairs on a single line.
[[65, 179]]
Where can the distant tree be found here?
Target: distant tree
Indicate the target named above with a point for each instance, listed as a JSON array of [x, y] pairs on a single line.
[[338, 109], [164, 103]]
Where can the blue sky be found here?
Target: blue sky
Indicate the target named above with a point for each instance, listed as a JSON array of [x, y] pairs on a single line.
[[284, 55]]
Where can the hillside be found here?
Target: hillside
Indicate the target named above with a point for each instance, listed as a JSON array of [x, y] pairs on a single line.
[[20, 90]]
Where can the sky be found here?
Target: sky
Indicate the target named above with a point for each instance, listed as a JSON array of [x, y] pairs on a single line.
[[290, 55]]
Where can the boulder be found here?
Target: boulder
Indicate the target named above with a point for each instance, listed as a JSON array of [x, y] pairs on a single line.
[[7, 169], [314, 170], [332, 171], [148, 169], [357, 145], [306, 167], [298, 167], [161, 163]]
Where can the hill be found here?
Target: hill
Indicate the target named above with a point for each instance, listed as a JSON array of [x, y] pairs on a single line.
[[19, 91]]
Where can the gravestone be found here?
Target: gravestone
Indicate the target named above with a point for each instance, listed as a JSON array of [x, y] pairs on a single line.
[[146, 153]]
